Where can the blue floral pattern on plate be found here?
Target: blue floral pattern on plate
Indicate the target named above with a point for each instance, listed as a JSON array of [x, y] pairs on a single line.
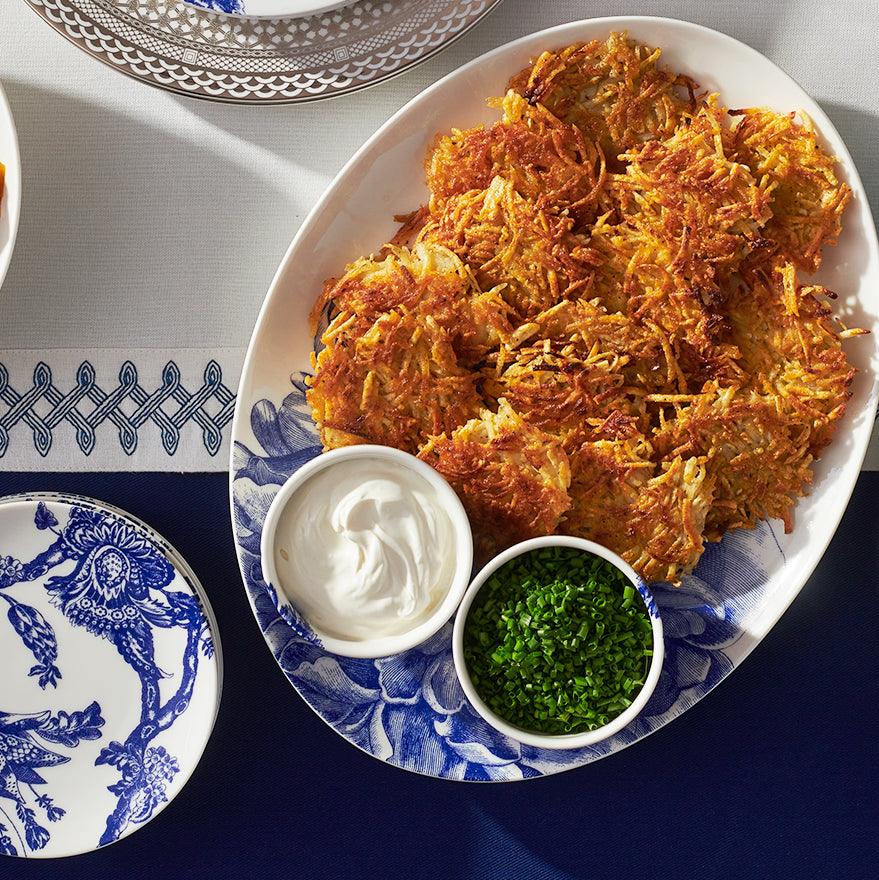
[[230, 7], [409, 709], [22, 754], [109, 578]]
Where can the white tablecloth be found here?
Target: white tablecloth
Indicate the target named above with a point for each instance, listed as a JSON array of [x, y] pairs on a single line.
[[152, 224]]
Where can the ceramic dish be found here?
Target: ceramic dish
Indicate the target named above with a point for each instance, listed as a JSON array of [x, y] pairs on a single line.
[[574, 740], [258, 61], [462, 552], [88, 759], [409, 710], [268, 8], [10, 192]]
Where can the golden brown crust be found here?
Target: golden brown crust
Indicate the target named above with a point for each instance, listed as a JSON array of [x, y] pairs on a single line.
[[390, 382], [614, 91], [511, 241], [607, 477], [808, 199], [668, 520], [511, 476], [757, 455], [544, 160]]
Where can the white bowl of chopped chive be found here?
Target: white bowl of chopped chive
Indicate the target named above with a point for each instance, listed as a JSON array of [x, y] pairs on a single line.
[[558, 643]]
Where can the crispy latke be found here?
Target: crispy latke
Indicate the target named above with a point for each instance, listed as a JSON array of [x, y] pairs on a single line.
[[808, 200], [599, 328], [543, 158], [757, 454], [507, 472], [792, 349], [614, 91], [510, 240]]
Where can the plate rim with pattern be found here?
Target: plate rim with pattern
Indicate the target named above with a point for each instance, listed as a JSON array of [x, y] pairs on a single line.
[[342, 61]]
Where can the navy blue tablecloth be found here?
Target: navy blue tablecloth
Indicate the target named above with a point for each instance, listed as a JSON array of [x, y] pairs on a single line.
[[773, 775]]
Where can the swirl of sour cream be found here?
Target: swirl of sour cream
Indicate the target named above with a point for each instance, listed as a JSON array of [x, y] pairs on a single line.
[[363, 549]]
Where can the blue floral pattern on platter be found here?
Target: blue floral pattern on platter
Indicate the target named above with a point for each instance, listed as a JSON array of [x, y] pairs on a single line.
[[409, 709], [110, 579]]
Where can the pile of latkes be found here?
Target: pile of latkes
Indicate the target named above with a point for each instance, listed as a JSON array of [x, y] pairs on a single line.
[[596, 326]]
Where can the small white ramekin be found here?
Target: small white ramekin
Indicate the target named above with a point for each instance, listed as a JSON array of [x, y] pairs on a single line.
[[572, 740], [381, 646]]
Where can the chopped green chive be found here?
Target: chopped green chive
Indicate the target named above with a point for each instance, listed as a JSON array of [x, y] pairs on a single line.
[[556, 641]]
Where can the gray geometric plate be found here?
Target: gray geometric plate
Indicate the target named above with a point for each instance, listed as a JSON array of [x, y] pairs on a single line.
[[261, 61]]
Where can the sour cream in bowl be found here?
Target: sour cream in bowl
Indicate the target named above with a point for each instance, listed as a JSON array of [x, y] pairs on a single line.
[[371, 547]]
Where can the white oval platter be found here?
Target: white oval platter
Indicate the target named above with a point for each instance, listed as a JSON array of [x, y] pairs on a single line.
[[409, 710]]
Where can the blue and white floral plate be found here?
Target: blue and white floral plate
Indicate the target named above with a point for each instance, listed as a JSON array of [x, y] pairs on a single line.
[[409, 710], [111, 674], [268, 8]]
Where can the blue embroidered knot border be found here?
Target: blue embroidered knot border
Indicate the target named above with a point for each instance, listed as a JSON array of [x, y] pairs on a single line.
[[128, 407], [86, 406]]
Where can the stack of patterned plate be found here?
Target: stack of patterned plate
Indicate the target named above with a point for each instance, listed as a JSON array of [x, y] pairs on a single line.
[[111, 674], [310, 56]]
